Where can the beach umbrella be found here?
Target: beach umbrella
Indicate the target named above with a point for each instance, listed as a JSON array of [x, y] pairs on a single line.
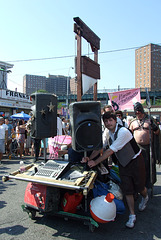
[[21, 115]]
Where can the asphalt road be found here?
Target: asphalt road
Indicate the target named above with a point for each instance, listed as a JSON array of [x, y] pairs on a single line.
[[15, 224]]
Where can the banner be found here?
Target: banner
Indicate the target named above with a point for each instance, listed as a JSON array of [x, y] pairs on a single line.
[[123, 100]]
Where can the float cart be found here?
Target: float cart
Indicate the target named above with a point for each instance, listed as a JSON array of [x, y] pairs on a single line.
[[57, 188]]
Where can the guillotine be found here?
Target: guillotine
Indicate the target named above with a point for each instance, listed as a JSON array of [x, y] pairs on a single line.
[[85, 65]]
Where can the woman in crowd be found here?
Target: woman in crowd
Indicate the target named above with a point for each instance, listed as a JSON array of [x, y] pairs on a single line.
[[20, 136]]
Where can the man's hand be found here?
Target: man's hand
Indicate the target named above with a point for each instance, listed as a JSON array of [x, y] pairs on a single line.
[[91, 163], [154, 126], [85, 159]]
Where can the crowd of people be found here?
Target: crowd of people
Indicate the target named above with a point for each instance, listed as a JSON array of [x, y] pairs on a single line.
[[132, 144], [15, 138]]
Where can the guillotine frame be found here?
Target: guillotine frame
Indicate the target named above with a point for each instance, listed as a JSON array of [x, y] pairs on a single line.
[[84, 64]]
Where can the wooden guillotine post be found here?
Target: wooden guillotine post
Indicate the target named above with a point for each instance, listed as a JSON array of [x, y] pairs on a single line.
[[84, 64]]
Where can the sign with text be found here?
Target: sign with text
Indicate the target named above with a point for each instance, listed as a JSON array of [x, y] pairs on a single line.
[[123, 100], [17, 96]]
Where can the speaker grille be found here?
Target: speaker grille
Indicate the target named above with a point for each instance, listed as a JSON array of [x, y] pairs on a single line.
[[88, 135]]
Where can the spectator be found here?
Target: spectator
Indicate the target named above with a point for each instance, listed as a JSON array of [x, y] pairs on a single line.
[[59, 125], [20, 136], [3, 137], [44, 142], [27, 144], [64, 126], [129, 120], [119, 114], [9, 137]]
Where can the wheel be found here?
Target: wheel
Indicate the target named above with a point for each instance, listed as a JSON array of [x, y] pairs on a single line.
[[32, 214], [91, 228]]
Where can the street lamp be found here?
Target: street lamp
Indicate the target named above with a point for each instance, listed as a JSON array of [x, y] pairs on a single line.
[[68, 92], [3, 83]]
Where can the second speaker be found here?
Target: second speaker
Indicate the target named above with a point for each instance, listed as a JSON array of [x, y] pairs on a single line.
[[85, 119]]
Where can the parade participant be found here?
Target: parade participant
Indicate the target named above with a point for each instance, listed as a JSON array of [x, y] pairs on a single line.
[[3, 137], [144, 129], [105, 136], [108, 108], [130, 161]]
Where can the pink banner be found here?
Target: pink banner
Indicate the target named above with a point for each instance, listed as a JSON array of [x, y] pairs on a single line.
[[123, 100]]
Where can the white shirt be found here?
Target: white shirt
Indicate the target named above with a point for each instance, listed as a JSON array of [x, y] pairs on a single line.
[[59, 126], [5, 126], [2, 131], [125, 123], [123, 137]]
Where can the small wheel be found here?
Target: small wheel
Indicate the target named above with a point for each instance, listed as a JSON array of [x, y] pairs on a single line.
[[32, 214], [91, 228]]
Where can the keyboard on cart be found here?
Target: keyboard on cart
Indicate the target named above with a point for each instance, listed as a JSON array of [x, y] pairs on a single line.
[[52, 169]]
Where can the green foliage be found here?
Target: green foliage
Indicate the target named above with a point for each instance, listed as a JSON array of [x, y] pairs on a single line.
[[60, 105], [42, 91], [157, 102]]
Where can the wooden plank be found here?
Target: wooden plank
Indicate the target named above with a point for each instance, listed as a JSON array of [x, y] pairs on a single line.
[[18, 171], [87, 33], [95, 85], [90, 67], [90, 182], [78, 66], [26, 176], [79, 180], [46, 179]]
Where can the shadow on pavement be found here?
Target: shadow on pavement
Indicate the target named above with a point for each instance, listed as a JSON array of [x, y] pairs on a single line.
[[2, 204], [14, 230]]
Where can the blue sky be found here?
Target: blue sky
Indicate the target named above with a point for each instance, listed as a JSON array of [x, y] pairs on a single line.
[[37, 29]]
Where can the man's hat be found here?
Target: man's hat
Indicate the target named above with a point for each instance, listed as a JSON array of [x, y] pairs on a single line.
[[138, 107]]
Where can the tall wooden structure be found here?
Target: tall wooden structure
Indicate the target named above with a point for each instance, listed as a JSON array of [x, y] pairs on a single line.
[[84, 64]]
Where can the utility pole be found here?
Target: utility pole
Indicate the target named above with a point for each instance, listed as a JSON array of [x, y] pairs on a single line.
[[67, 102]]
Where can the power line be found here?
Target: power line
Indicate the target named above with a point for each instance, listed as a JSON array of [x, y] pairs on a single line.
[[39, 59], [71, 56]]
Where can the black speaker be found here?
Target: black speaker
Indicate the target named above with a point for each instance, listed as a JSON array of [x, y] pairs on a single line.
[[85, 119], [44, 115]]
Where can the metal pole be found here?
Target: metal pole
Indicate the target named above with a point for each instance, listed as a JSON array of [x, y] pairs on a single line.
[[67, 97], [45, 153], [150, 138], [67, 102]]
